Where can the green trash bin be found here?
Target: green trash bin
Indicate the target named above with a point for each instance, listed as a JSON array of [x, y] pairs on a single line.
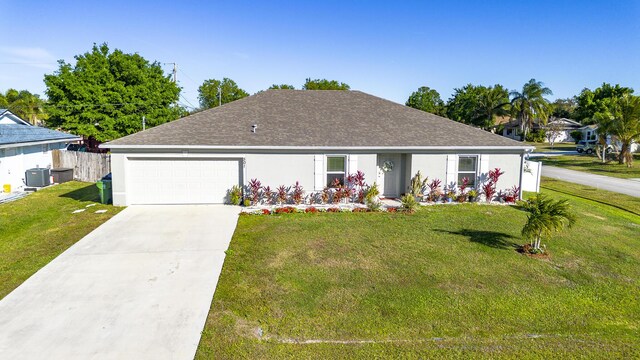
[[104, 188]]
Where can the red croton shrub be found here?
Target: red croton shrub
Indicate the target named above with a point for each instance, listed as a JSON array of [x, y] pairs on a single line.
[[285, 210], [333, 210], [359, 209], [311, 210], [266, 212]]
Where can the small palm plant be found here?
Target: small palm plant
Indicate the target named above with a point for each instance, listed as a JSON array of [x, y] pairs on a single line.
[[545, 217]]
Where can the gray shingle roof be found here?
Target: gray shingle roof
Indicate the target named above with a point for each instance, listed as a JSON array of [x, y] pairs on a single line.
[[19, 133], [306, 118]]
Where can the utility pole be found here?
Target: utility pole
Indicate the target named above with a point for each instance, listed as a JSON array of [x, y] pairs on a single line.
[[174, 72], [219, 95]]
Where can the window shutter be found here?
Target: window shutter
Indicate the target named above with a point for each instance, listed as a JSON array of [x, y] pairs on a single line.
[[353, 164], [484, 166], [452, 169], [318, 183]]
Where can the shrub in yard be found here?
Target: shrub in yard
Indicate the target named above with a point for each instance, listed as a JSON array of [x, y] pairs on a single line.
[[434, 190], [418, 185], [371, 194], [325, 195], [333, 210], [311, 210], [359, 210], [255, 191], [268, 194], [511, 195], [489, 188], [298, 194], [392, 209], [545, 217], [282, 194], [266, 212], [285, 210], [374, 205], [235, 195], [247, 202], [409, 203]]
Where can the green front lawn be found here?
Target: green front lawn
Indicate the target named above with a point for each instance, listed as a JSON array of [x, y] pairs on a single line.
[[36, 229], [546, 147], [444, 282], [591, 163]]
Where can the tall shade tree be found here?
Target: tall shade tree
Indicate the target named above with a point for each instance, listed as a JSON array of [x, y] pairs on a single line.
[[105, 94], [478, 105], [530, 104], [324, 84], [282, 87], [564, 108], [545, 217], [597, 101], [426, 99], [26, 105], [214, 93], [622, 119]]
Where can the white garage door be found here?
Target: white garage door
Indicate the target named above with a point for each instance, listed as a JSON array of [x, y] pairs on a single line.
[[181, 181]]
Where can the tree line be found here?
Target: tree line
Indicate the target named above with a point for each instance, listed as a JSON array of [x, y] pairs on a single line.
[[105, 94]]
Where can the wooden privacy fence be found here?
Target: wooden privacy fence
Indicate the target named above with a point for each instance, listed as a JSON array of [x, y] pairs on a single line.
[[86, 166]]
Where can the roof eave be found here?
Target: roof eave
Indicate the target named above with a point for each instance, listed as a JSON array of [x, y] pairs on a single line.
[[359, 148]]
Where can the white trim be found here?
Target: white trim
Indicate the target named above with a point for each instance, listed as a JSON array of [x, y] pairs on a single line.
[[16, 145], [477, 170], [385, 148], [451, 174], [327, 172]]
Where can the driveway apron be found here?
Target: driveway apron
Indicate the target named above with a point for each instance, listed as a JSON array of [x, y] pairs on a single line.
[[137, 287]]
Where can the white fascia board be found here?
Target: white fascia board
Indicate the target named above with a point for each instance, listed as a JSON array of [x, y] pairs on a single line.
[[43, 142], [523, 148]]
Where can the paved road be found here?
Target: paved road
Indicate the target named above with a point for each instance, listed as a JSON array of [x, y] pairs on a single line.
[[552, 153], [623, 186], [138, 287]]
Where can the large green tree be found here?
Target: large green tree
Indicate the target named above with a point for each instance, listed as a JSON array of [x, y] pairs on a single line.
[[597, 101], [564, 108], [530, 104], [324, 84], [215, 92], [282, 87], [622, 119], [426, 99], [478, 105], [105, 94], [26, 105]]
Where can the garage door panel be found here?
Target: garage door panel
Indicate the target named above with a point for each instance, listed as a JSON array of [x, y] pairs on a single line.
[[181, 181]]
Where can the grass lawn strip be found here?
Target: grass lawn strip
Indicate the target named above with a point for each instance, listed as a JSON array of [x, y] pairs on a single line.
[[591, 164], [37, 228], [443, 282]]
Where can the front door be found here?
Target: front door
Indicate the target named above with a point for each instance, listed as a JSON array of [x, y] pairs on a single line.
[[389, 174]]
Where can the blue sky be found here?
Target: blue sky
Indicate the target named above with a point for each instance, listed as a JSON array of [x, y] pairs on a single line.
[[385, 48]]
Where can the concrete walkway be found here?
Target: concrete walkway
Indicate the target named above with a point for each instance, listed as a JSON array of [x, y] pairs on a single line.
[[138, 287], [622, 186]]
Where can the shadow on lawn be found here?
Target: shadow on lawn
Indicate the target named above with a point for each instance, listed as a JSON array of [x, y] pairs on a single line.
[[87, 193], [492, 239]]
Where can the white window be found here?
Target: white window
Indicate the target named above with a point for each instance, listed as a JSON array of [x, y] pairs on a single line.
[[336, 169], [468, 168]]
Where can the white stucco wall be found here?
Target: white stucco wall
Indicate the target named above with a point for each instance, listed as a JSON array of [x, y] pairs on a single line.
[[14, 162], [510, 164], [432, 165], [281, 169], [285, 169]]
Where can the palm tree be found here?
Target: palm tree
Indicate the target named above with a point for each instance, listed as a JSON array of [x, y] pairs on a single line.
[[530, 104], [625, 125], [605, 123], [491, 103], [545, 217], [28, 106]]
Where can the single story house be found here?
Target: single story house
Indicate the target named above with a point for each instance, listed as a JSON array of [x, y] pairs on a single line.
[[564, 127], [312, 137], [24, 146]]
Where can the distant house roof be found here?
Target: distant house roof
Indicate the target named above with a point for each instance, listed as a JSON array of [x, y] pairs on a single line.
[[305, 118], [15, 131]]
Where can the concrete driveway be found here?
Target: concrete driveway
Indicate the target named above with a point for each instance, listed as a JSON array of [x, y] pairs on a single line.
[[138, 287], [622, 186]]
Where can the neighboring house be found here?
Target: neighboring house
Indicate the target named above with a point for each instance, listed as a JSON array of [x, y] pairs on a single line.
[[24, 146], [563, 126], [590, 132], [313, 137]]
